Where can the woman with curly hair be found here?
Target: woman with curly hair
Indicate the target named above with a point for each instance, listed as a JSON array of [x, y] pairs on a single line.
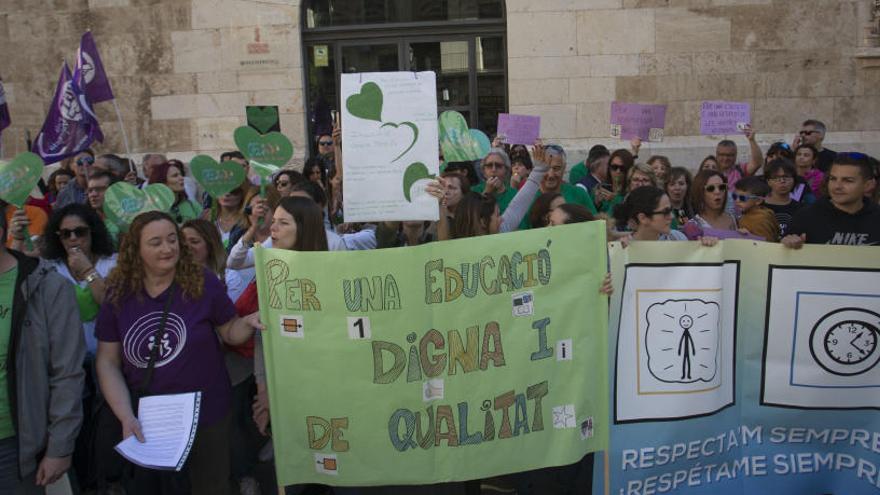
[[78, 244], [158, 333]]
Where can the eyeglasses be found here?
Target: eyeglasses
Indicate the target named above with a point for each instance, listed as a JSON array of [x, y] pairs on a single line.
[[282, 184], [666, 212], [325, 143], [744, 197], [79, 232], [97, 189], [781, 178], [86, 160], [493, 165], [711, 187]]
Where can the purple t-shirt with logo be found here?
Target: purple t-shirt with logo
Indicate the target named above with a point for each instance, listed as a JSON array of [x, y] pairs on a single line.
[[190, 356]]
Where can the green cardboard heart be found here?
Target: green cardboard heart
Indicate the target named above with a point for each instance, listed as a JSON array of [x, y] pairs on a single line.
[[123, 201], [414, 172], [262, 118], [18, 177], [273, 148], [460, 144], [217, 178], [159, 197], [367, 104]]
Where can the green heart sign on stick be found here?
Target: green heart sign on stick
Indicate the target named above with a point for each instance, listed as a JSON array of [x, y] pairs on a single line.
[[263, 119], [217, 178], [273, 148], [123, 201], [18, 177], [367, 104], [460, 144]]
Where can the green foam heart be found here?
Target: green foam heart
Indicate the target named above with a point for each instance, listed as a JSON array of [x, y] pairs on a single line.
[[273, 148], [460, 144], [414, 172], [367, 104], [18, 177], [262, 118], [123, 201], [217, 178]]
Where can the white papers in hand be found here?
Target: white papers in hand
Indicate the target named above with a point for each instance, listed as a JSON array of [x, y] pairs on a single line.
[[169, 425]]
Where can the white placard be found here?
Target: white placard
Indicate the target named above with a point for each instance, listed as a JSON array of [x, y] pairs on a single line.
[[389, 127]]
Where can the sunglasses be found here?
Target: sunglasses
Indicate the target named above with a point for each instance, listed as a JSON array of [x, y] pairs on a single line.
[[282, 184], [68, 233], [711, 187], [744, 197], [665, 212], [618, 168], [325, 143], [86, 160]]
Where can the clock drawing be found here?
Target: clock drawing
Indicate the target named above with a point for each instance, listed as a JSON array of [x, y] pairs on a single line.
[[682, 340], [844, 342]]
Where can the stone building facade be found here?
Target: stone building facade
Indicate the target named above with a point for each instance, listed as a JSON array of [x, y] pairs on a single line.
[[184, 70]]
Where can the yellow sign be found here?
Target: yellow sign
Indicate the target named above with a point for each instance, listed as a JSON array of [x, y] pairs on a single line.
[[321, 56]]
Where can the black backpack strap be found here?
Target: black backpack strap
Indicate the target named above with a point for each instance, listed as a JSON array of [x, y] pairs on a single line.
[[157, 337]]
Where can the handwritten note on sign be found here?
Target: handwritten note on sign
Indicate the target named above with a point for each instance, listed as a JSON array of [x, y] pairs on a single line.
[[390, 136], [724, 117], [629, 120], [519, 129]]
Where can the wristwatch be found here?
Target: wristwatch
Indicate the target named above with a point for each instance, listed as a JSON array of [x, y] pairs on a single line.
[[92, 277]]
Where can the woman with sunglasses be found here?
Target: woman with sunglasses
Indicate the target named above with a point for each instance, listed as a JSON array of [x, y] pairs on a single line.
[[228, 215], [709, 198], [77, 242], [156, 279], [609, 195], [171, 173], [285, 179]]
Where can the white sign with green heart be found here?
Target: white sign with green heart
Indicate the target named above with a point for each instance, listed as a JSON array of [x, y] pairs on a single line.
[[390, 136]]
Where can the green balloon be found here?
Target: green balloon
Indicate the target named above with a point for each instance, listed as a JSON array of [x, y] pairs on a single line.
[[273, 148], [18, 177], [217, 178], [367, 104]]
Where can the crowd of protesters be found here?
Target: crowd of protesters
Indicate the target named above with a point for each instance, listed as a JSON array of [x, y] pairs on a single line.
[[63, 266]]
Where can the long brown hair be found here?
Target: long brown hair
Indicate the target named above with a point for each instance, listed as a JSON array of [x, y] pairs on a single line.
[[698, 192], [272, 198], [309, 218], [472, 215], [211, 237], [128, 276]]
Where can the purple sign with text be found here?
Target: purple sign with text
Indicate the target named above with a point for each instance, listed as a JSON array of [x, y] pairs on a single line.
[[724, 117], [629, 120], [519, 129]]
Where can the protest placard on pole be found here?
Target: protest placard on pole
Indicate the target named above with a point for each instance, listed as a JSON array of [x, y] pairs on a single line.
[[389, 135], [444, 362], [629, 120], [724, 117]]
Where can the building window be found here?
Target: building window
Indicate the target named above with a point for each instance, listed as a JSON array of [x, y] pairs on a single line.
[[463, 41]]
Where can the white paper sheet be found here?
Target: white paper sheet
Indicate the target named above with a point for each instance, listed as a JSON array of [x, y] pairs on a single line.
[[169, 425], [389, 127]]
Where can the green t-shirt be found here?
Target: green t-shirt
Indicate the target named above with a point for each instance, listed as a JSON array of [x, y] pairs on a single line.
[[7, 292], [608, 206], [577, 173], [502, 199], [572, 194]]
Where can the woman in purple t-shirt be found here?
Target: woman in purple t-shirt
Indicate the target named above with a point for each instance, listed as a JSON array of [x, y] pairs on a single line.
[[155, 274]]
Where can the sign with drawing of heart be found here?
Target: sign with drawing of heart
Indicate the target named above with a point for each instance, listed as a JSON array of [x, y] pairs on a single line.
[[390, 136]]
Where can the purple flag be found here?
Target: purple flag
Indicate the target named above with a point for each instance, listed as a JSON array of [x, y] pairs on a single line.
[[5, 119], [89, 72], [70, 126]]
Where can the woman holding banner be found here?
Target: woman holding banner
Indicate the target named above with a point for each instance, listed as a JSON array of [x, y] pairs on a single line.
[[171, 173], [158, 295], [709, 198]]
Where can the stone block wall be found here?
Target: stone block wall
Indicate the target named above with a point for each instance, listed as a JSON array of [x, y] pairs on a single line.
[[184, 70], [791, 59]]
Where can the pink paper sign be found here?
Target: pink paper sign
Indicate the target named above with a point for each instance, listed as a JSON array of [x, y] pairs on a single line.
[[729, 234], [519, 129], [629, 120], [724, 117]]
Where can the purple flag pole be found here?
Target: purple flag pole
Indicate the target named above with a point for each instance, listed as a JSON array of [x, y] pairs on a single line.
[[5, 119], [93, 79], [70, 125]]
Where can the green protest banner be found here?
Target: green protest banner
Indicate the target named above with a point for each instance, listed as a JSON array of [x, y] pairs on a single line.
[[449, 361]]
